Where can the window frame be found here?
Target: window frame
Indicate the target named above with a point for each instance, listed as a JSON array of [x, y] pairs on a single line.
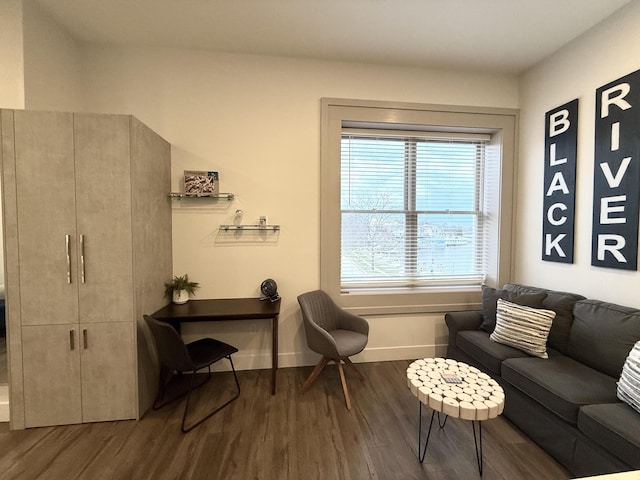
[[500, 123]]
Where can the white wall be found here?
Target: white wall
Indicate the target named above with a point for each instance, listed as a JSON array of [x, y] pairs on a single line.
[[604, 54], [52, 65], [256, 120], [11, 55]]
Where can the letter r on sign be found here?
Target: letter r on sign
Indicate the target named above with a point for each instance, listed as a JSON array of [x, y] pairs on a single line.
[[611, 243], [608, 98]]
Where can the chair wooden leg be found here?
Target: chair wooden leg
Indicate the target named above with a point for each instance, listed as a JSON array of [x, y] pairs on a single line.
[[316, 371], [344, 385], [353, 367]]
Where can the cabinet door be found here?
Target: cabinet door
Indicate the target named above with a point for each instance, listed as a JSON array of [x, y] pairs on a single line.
[[45, 188], [108, 372], [103, 198], [51, 366]]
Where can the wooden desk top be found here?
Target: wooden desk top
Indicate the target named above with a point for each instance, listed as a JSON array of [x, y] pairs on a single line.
[[219, 309]]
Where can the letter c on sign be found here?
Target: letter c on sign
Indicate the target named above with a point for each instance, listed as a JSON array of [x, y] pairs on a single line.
[[552, 209]]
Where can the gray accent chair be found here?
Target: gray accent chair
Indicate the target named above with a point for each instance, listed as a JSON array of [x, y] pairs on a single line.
[[334, 333]]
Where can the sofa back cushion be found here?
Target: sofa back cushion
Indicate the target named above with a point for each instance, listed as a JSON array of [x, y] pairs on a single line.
[[560, 302], [603, 334], [490, 297]]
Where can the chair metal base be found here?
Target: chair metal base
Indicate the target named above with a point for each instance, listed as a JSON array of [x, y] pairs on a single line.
[[323, 363], [165, 374]]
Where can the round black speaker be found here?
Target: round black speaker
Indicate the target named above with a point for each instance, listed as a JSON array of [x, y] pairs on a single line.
[[269, 289]]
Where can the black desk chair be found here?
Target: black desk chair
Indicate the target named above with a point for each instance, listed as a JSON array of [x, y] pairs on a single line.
[[177, 357]]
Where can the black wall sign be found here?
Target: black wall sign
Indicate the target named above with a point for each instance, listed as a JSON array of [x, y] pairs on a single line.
[[561, 146], [616, 182]]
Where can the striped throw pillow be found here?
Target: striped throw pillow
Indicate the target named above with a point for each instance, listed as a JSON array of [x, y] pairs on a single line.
[[524, 328], [629, 383]]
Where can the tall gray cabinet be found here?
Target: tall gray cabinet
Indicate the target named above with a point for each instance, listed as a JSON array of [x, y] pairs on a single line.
[[87, 227]]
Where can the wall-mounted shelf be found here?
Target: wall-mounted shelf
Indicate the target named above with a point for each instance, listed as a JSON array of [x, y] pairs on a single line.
[[226, 228], [223, 196]]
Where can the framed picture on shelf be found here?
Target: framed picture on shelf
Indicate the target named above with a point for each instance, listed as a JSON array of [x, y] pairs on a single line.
[[198, 181]]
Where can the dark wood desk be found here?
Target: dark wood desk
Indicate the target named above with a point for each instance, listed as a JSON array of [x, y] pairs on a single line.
[[216, 310]]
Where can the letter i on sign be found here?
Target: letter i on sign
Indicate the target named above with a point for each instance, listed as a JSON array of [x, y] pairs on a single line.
[[561, 146]]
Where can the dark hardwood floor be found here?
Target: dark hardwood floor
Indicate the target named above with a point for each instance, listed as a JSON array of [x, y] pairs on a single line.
[[284, 437]]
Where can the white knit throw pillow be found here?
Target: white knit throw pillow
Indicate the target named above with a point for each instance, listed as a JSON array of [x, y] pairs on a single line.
[[524, 328], [629, 383]]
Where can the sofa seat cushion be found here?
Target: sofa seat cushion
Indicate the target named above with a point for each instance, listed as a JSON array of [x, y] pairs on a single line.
[[489, 354], [559, 383], [615, 427]]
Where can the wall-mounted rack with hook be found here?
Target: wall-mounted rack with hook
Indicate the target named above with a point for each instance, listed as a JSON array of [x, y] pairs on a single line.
[[226, 228]]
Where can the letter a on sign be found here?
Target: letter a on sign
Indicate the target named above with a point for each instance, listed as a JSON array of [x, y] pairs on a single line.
[[616, 177], [559, 199]]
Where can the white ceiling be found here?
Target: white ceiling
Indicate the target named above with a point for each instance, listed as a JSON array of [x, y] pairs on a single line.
[[493, 35]]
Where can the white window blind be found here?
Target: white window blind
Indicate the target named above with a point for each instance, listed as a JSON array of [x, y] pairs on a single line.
[[411, 209]]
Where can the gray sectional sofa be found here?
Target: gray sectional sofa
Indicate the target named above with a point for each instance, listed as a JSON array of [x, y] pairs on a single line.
[[566, 403]]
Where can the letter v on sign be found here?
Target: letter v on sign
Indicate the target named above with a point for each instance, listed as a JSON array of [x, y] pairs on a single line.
[[614, 181]]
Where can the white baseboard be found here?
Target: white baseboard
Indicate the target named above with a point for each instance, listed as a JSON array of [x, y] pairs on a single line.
[[4, 403], [301, 359]]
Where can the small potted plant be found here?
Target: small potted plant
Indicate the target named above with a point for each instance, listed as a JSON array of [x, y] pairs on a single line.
[[180, 288]]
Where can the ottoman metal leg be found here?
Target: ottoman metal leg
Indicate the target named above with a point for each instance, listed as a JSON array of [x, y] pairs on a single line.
[[478, 440], [423, 450], [477, 437]]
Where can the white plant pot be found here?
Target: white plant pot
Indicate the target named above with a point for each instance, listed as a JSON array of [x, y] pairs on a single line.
[[180, 296]]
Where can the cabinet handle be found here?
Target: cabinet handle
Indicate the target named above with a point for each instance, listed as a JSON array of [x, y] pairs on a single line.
[[84, 338], [72, 339], [82, 258], [67, 239]]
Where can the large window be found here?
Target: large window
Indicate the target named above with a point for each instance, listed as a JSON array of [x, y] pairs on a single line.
[[411, 209], [417, 204]]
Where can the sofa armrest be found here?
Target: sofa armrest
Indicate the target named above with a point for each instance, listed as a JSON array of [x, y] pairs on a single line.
[[466, 320]]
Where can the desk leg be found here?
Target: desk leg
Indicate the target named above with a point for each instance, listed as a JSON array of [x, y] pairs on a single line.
[[177, 326], [274, 353]]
